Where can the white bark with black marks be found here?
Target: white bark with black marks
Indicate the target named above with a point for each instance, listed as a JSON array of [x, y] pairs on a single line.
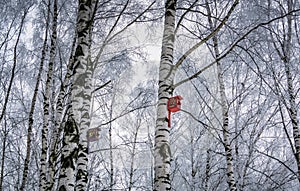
[[162, 151], [286, 57], [81, 92], [225, 109], [44, 182], [74, 174]]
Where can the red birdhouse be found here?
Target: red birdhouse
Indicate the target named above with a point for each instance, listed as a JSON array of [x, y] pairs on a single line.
[[174, 105]]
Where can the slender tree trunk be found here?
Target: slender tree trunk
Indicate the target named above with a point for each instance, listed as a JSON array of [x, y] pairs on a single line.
[[44, 183], [226, 142], [30, 117], [225, 124], [193, 165], [111, 156], [291, 92], [207, 170], [162, 151], [14, 64], [223, 100], [5, 133], [131, 173], [110, 138], [62, 102]]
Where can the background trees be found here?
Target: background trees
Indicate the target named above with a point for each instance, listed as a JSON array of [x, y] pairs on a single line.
[[234, 62]]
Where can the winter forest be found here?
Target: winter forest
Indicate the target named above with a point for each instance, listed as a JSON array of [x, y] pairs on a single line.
[[135, 95]]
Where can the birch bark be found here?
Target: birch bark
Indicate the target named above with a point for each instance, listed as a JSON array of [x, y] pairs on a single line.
[[74, 157], [284, 51], [69, 156], [43, 171], [31, 112], [162, 151], [111, 154], [82, 87], [225, 128], [286, 57], [207, 170], [62, 101], [223, 100]]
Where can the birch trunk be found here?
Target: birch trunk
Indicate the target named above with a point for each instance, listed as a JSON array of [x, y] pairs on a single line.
[[194, 168], [162, 151], [44, 184], [3, 154], [207, 171], [61, 103], [82, 87], [30, 116], [225, 123], [74, 157], [132, 158], [225, 126], [223, 100], [69, 156], [291, 92], [111, 156]]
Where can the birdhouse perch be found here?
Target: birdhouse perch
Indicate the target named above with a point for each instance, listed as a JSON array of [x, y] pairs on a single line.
[[174, 105]]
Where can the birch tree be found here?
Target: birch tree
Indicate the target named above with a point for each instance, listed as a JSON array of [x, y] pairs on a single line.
[[74, 157], [8, 86], [167, 70], [224, 105], [46, 120], [282, 40], [162, 151], [61, 109], [31, 119], [286, 55], [276, 57]]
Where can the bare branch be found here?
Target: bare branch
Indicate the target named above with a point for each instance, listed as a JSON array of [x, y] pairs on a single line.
[[278, 160], [100, 87], [183, 15], [111, 36], [125, 113], [226, 52], [204, 40]]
